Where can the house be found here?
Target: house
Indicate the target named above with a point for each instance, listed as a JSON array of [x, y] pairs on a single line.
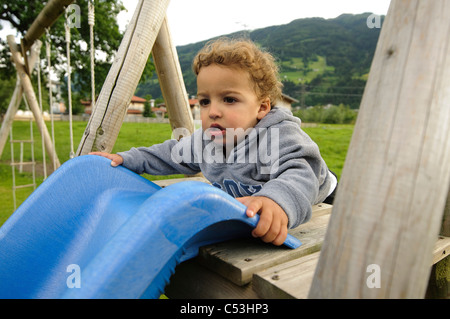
[[160, 110], [286, 101], [195, 108], [135, 108]]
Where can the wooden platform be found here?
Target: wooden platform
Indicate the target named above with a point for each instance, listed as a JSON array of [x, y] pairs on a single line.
[[249, 268]]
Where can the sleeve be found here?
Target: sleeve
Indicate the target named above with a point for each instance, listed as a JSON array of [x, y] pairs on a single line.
[[170, 157], [299, 179]]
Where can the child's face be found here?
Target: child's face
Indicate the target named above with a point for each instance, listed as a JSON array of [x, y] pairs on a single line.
[[228, 100]]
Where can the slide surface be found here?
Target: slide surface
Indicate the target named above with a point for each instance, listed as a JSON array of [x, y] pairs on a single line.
[[94, 231]]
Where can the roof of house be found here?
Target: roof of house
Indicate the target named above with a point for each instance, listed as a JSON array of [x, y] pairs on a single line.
[[132, 111], [289, 98], [134, 98], [138, 99]]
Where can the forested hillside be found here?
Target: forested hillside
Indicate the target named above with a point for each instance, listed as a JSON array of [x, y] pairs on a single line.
[[322, 61]]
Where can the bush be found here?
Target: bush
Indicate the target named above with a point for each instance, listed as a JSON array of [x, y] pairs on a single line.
[[328, 115]]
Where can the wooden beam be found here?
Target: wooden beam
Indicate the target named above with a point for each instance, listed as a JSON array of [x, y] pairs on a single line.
[[31, 98], [394, 185], [123, 77], [10, 113], [49, 14], [16, 99], [171, 81]]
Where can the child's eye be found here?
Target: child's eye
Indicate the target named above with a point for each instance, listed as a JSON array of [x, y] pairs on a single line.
[[229, 100], [204, 102]]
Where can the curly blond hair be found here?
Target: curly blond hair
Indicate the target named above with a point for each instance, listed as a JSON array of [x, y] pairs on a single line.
[[245, 55]]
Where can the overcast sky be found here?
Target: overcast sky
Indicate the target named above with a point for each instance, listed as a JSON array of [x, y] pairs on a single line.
[[191, 21]]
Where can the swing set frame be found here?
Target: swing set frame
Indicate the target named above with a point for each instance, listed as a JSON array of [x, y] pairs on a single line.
[[392, 201]]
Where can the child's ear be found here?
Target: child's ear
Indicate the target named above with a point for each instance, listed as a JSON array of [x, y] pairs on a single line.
[[264, 108]]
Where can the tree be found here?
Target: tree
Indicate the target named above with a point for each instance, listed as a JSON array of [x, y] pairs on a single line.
[[147, 107], [107, 37]]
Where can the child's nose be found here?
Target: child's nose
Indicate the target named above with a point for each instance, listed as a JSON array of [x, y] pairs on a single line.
[[214, 111]]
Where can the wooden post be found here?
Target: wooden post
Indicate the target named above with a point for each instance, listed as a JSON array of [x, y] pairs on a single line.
[[31, 97], [16, 99], [49, 14], [10, 113], [392, 194], [123, 77], [171, 81]]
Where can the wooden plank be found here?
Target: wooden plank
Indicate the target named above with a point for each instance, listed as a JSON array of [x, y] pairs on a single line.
[[439, 282], [167, 182], [22, 163], [191, 280], [291, 280], [24, 186], [392, 193], [238, 260], [441, 249], [21, 141]]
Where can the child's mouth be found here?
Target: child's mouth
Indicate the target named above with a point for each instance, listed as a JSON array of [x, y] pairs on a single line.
[[216, 130]]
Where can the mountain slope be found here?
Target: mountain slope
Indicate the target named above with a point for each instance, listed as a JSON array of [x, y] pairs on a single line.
[[318, 58]]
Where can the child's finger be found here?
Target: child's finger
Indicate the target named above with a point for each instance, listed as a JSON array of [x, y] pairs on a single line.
[[272, 232], [247, 200], [253, 206], [116, 160], [103, 154], [264, 224], [281, 237]]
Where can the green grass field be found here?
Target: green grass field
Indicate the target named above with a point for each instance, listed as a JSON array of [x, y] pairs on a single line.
[[296, 71], [333, 141]]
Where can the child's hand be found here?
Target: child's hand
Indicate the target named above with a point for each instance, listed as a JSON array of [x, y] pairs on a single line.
[[273, 221], [116, 160]]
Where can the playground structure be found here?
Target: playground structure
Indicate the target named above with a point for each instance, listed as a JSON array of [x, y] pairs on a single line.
[[392, 205], [124, 232]]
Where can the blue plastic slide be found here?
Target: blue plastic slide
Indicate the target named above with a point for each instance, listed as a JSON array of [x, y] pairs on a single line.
[[94, 231]]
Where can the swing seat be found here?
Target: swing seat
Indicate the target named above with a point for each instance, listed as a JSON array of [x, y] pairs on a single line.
[[94, 231]]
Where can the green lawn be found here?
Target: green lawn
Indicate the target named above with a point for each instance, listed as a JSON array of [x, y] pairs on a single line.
[[333, 141]]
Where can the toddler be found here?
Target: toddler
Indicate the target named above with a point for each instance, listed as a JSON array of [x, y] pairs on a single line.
[[247, 146]]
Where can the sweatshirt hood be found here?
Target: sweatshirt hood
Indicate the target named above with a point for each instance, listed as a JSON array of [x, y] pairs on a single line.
[[263, 129], [276, 116]]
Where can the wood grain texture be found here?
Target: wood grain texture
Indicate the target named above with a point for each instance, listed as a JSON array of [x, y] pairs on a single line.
[[237, 260], [394, 185], [171, 81], [49, 14], [123, 77], [31, 99]]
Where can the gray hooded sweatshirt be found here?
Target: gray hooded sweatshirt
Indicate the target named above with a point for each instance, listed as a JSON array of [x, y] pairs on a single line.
[[276, 159]]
